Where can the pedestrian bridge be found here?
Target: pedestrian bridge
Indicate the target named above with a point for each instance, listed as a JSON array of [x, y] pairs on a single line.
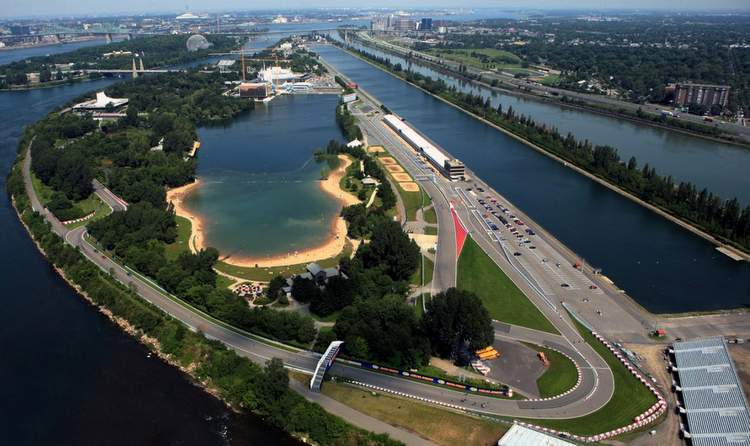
[[325, 363]]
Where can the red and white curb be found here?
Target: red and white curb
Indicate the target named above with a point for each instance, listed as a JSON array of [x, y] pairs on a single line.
[[84, 218], [644, 419], [569, 391]]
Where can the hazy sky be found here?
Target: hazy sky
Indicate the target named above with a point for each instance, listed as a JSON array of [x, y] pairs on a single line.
[[26, 8]]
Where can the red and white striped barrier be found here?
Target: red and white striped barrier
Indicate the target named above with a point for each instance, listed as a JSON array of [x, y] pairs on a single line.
[[76, 220]]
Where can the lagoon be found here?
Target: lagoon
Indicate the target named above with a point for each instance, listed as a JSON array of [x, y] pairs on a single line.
[[260, 194]]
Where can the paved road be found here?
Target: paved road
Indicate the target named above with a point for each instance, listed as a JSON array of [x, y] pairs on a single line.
[[590, 396]]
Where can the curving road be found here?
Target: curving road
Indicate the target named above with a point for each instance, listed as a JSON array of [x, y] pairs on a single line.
[[595, 390]]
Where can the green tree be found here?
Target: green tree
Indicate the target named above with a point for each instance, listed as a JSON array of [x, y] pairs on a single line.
[[456, 319]]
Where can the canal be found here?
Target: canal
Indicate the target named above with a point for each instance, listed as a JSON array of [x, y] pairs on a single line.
[[663, 267], [720, 167], [69, 375]]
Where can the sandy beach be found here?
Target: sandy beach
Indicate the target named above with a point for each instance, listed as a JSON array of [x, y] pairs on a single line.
[[330, 247]]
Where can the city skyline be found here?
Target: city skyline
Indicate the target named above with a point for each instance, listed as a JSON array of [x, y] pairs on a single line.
[[83, 8]]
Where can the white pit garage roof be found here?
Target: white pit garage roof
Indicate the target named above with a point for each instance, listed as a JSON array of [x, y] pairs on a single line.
[[518, 435]]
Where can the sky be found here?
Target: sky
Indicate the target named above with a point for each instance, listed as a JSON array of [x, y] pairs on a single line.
[[68, 8]]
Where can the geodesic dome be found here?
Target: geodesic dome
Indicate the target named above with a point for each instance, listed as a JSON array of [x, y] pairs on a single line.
[[197, 42]]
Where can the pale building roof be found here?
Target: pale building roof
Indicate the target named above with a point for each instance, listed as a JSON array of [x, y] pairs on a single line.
[[518, 435]]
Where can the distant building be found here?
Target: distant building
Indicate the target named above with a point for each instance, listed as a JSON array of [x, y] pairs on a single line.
[[225, 65], [197, 42], [702, 94], [255, 90], [101, 102], [277, 75], [404, 24], [187, 16], [425, 24], [20, 30]]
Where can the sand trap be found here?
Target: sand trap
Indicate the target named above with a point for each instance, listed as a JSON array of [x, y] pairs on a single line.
[[387, 160], [375, 149], [330, 247], [409, 186], [401, 176], [394, 168]]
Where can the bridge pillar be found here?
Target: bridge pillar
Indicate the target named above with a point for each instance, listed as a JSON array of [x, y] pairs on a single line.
[[130, 36], [108, 37]]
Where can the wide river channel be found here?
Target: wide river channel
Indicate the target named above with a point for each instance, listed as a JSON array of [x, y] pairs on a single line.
[[663, 267], [69, 375]]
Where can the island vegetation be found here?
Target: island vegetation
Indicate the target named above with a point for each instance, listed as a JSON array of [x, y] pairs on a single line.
[[154, 52]]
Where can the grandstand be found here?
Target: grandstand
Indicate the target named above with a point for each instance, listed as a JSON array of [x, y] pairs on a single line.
[[715, 408]]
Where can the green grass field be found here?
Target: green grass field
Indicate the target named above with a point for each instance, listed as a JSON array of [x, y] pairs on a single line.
[[87, 205], [431, 230], [416, 278], [223, 282], [172, 250], [478, 273], [630, 398], [550, 80], [412, 200], [430, 216], [560, 376], [440, 426]]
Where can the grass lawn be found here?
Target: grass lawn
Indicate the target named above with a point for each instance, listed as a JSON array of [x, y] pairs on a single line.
[[416, 278], [418, 304], [478, 273], [495, 58], [431, 230], [430, 216], [223, 282], [560, 376], [330, 318], [266, 274], [43, 192], [630, 398], [550, 79], [440, 426], [172, 250], [87, 205]]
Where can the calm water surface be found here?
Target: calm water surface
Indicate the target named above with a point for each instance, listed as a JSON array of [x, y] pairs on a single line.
[[663, 267], [260, 194], [720, 167], [69, 375]]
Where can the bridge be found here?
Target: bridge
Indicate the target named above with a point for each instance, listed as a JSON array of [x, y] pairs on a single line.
[[325, 363]]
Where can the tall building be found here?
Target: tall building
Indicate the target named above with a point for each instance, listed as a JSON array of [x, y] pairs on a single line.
[[425, 24], [702, 94], [404, 24]]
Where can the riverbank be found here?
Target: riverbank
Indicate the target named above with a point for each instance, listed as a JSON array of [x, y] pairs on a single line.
[[725, 248], [332, 246], [618, 111]]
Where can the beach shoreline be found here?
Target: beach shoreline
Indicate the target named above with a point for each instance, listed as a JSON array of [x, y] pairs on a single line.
[[330, 247]]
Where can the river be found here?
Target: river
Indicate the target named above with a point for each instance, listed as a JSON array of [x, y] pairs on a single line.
[[663, 267], [69, 375], [721, 167]]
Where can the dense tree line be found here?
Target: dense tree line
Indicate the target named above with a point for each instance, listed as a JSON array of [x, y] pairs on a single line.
[[638, 55], [155, 51], [347, 123], [242, 383], [720, 217]]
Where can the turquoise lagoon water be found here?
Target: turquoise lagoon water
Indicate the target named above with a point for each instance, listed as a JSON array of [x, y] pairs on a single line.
[[260, 193]]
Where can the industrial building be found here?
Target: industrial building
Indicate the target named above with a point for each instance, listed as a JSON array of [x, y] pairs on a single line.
[[278, 75], [451, 168], [709, 388], [701, 94], [256, 90]]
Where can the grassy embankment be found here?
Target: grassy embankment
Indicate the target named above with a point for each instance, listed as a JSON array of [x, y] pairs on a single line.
[[630, 398], [429, 266], [440, 426], [560, 376], [87, 205], [478, 273], [496, 59]]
